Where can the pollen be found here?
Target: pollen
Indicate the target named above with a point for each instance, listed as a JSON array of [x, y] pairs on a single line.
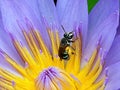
[[44, 70]]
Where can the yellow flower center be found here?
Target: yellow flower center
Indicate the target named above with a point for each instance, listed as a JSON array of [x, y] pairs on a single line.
[[45, 71]]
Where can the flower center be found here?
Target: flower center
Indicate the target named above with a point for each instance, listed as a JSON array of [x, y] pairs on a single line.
[[54, 79], [46, 71]]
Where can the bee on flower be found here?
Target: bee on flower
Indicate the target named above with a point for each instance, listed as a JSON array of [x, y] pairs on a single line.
[[36, 53]]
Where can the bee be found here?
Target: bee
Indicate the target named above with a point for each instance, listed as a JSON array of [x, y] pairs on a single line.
[[65, 44]]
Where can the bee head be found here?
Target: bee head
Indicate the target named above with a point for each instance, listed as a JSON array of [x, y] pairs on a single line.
[[65, 35], [69, 35]]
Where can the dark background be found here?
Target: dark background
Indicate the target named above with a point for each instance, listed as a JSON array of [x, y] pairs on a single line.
[[55, 1]]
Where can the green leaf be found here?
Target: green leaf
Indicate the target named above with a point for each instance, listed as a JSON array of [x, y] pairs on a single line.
[[91, 4]]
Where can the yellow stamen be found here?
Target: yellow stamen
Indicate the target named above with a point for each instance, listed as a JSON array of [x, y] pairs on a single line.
[[39, 60]]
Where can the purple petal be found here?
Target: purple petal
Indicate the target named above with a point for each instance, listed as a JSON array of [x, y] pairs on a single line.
[[113, 74], [1, 23], [118, 29], [114, 54], [6, 66], [49, 17], [101, 11], [14, 12], [61, 6], [33, 5], [104, 35], [73, 13], [48, 11], [6, 45]]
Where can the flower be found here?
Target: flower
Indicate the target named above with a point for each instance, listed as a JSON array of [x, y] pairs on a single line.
[[30, 35]]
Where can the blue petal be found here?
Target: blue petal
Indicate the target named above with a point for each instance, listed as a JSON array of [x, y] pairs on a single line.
[[61, 6], [7, 46], [101, 11], [118, 29], [104, 35], [73, 13], [13, 12], [6, 66], [48, 11], [1, 23], [113, 82], [102, 25], [17, 11], [114, 54]]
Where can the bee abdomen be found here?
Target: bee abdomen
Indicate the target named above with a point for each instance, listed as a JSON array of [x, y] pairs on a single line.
[[65, 56]]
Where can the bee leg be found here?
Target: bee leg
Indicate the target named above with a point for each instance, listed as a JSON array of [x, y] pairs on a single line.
[[72, 48], [74, 40]]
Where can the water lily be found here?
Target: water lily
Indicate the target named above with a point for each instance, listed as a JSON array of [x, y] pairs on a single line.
[[30, 35]]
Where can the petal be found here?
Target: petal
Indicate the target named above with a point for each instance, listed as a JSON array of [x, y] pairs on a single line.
[[14, 11], [101, 20], [118, 29], [113, 55], [113, 82], [61, 6], [1, 23], [6, 45], [103, 36], [73, 13], [48, 11], [101, 11], [11, 12], [6, 66]]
